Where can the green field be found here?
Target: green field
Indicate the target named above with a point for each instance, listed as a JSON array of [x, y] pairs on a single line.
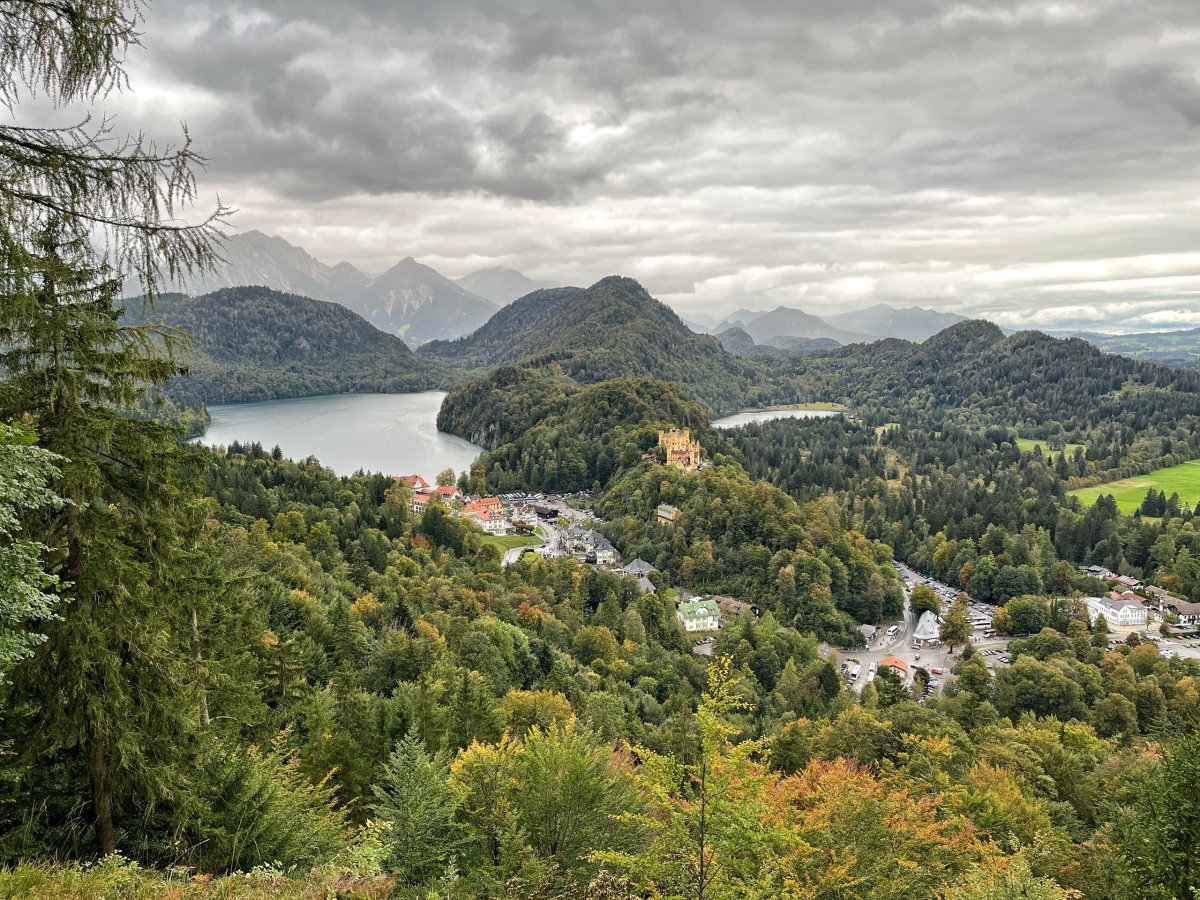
[[1183, 480], [508, 541], [1027, 444]]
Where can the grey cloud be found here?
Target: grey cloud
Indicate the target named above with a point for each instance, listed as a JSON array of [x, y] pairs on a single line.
[[919, 146]]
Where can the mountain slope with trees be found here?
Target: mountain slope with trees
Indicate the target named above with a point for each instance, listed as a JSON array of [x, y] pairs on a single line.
[[613, 329], [973, 373], [253, 343]]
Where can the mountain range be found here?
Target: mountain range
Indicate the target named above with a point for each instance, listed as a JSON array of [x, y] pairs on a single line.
[[410, 300], [418, 304], [789, 328]]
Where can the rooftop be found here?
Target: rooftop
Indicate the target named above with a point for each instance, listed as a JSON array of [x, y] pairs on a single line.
[[699, 609], [639, 567]]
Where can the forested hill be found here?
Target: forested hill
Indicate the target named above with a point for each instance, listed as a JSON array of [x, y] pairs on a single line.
[[972, 373], [505, 337], [613, 329], [254, 343]]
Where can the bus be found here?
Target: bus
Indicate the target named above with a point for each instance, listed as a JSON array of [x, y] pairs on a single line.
[[856, 671]]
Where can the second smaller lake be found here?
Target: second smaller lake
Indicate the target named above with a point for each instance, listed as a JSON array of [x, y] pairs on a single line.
[[748, 416]]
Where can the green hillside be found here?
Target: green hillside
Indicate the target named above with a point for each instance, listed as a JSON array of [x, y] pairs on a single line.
[[972, 374], [613, 329], [254, 343]]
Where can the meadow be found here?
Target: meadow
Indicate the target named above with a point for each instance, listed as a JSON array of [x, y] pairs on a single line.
[[1027, 444], [1183, 480]]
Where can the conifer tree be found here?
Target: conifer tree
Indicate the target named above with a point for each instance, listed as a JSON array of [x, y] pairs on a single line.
[[114, 683], [417, 802], [81, 209]]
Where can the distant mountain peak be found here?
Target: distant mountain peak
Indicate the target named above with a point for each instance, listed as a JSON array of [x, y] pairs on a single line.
[[911, 323], [501, 284], [409, 300]]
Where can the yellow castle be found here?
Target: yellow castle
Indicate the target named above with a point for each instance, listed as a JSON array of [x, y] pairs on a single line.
[[682, 452]]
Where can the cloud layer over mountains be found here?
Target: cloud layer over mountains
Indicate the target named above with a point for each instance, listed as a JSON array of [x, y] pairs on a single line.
[[1033, 162]]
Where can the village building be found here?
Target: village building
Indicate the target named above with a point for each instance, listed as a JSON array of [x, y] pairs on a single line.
[[419, 502], [588, 545], [416, 482], [927, 632], [699, 615], [681, 450], [868, 632], [448, 494], [895, 662], [1116, 612], [488, 514], [645, 585], [526, 515], [638, 567], [1187, 613], [1125, 595], [732, 608], [1160, 598], [667, 514]]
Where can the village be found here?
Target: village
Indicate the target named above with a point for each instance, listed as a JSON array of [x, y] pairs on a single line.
[[560, 526]]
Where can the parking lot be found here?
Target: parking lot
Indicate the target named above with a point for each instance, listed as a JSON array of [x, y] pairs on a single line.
[[894, 639]]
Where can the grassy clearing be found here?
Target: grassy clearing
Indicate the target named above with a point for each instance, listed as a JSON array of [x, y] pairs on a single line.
[[1183, 480], [1027, 444], [508, 541]]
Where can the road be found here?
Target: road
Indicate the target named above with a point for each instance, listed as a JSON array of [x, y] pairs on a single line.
[[549, 532]]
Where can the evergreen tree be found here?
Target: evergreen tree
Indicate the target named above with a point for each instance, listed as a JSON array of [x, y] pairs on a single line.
[[111, 689], [111, 683], [414, 798]]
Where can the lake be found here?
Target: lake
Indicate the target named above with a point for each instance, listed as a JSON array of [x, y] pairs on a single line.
[[391, 433], [747, 416]]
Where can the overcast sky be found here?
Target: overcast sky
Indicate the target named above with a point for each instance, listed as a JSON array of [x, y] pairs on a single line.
[[1032, 162]]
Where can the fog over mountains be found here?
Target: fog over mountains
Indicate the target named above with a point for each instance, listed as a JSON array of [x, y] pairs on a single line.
[[501, 284]]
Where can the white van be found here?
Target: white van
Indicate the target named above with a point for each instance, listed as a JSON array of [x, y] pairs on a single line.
[[893, 631]]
